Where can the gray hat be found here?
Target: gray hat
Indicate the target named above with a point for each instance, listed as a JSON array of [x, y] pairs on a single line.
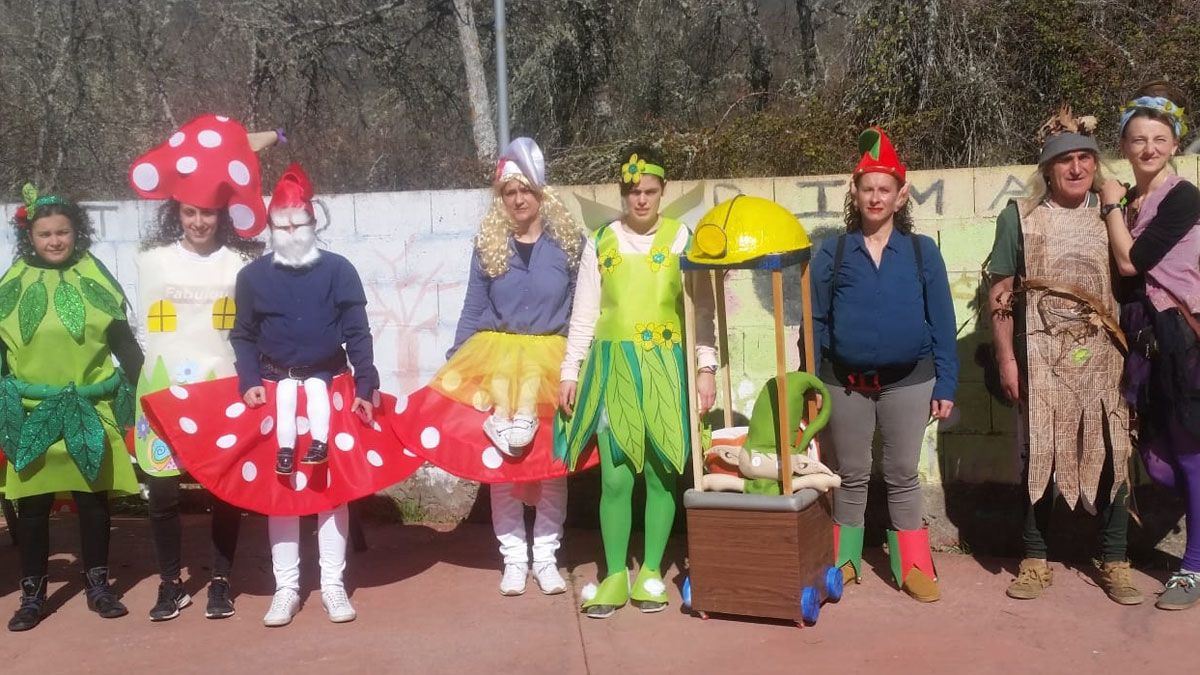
[[1067, 141]]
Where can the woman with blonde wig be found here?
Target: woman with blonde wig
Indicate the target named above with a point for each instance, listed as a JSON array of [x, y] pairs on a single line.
[[487, 414]]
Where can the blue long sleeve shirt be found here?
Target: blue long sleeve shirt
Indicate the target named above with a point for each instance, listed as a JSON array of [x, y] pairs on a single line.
[[301, 317], [875, 317], [533, 299]]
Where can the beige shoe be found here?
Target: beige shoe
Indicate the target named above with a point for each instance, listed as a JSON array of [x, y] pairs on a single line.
[[920, 587], [1116, 579], [1034, 577]]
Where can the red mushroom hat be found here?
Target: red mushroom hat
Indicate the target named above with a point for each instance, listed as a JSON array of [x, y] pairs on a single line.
[[291, 200], [209, 163], [878, 155]]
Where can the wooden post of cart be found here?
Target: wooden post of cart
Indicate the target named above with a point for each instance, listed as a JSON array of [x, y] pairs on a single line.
[[756, 555]]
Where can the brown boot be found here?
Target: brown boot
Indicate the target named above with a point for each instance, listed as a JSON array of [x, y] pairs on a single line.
[[921, 587], [1034, 577], [1117, 580]]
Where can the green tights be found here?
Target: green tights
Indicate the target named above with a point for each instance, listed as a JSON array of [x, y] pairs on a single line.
[[616, 506]]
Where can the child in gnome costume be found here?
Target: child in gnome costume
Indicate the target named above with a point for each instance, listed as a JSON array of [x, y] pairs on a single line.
[[884, 331], [207, 172], [296, 308], [625, 330]]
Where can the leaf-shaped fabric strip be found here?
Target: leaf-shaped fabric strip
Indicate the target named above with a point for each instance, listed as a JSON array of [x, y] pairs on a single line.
[[68, 304], [83, 433], [10, 293], [12, 416], [660, 401], [588, 395], [623, 405], [124, 403], [99, 297], [42, 428], [32, 309]]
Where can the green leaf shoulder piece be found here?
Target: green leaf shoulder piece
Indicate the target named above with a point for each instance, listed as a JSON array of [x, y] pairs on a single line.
[[83, 433], [32, 309], [68, 304], [42, 427], [10, 293]]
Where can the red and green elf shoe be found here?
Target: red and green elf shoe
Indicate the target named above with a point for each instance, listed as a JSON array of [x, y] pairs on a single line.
[[847, 552], [912, 564]]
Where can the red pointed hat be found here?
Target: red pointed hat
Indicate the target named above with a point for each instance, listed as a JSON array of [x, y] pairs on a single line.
[[293, 191], [878, 155], [207, 163]]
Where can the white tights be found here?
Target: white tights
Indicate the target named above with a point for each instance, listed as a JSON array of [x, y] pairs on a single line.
[[284, 533], [317, 396]]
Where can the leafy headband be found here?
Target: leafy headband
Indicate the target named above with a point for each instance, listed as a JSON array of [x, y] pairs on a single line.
[[1163, 105], [633, 170], [33, 202]]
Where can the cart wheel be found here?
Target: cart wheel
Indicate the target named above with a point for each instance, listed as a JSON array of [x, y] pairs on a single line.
[[687, 592], [810, 605], [834, 584]]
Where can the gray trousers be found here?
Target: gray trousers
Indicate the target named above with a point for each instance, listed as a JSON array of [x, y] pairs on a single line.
[[901, 414]]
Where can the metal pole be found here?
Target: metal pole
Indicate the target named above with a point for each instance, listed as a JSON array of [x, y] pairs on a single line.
[[501, 76]]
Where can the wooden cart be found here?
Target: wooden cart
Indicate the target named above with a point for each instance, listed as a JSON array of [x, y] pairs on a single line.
[[757, 555]]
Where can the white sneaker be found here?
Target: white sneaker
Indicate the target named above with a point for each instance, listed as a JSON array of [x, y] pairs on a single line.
[[520, 434], [284, 606], [497, 429], [548, 578], [513, 581], [337, 604]]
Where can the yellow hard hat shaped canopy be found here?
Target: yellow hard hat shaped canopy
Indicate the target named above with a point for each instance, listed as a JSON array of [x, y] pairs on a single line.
[[745, 228]]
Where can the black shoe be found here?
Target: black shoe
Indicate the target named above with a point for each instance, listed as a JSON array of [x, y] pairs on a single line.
[[318, 453], [171, 599], [220, 599], [33, 601], [285, 461], [100, 596]]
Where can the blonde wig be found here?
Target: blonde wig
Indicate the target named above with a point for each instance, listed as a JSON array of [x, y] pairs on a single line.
[[497, 228]]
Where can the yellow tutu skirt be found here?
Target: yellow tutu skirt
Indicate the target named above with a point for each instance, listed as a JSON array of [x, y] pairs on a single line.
[[511, 374]]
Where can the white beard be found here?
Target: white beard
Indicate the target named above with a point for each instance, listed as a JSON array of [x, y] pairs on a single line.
[[295, 249]]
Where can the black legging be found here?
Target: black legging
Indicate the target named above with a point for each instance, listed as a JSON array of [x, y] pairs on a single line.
[[168, 532], [33, 530]]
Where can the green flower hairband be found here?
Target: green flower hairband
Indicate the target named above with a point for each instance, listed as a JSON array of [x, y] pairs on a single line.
[[633, 170], [32, 202]]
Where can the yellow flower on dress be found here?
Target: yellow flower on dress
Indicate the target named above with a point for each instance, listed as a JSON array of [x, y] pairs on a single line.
[[647, 334], [666, 335], [609, 261], [631, 171], [658, 258]]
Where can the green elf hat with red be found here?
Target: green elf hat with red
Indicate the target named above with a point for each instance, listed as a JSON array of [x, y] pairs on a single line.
[[878, 155]]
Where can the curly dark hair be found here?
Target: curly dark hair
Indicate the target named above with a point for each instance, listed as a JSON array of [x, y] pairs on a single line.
[[168, 230], [902, 221], [1164, 89], [651, 155], [81, 223]]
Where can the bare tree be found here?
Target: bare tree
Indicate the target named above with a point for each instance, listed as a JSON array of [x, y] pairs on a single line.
[[482, 129]]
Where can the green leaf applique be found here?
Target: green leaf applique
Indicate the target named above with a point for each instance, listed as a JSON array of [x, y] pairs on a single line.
[[68, 304], [42, 428], [12, 416], [10, 293], [32, 309], [99, 297], [83, 433]]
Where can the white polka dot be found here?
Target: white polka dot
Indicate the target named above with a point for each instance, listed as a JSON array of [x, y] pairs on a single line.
[[176, 139], [302, 425], [145, 176], [268, 423], [226, 442], [299, 481], [409, 453], [376, 427], [239, 173], [481, 401], [588, 592], [374, 458], [188, 425], [242, 216], [249, 471], [179, 392], [492, 459], [344, 441], [186, 164], [222, 118], [430, 438], [209, 138], [401, 403], [338, 401], [234, 411]]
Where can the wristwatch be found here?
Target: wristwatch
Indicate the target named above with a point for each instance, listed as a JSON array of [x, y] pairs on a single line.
[[1107, 209]]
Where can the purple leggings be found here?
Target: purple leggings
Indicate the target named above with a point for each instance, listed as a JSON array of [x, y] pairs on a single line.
[[1173, 459]]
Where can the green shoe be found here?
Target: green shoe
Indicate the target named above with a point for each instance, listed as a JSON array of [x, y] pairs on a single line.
[[847, 551], [649, 592], [611, 595]]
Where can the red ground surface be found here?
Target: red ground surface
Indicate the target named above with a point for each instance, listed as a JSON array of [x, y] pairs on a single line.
[[427, 603]]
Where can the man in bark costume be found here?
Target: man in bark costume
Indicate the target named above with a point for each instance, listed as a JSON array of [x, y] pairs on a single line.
[[1059, 353]]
